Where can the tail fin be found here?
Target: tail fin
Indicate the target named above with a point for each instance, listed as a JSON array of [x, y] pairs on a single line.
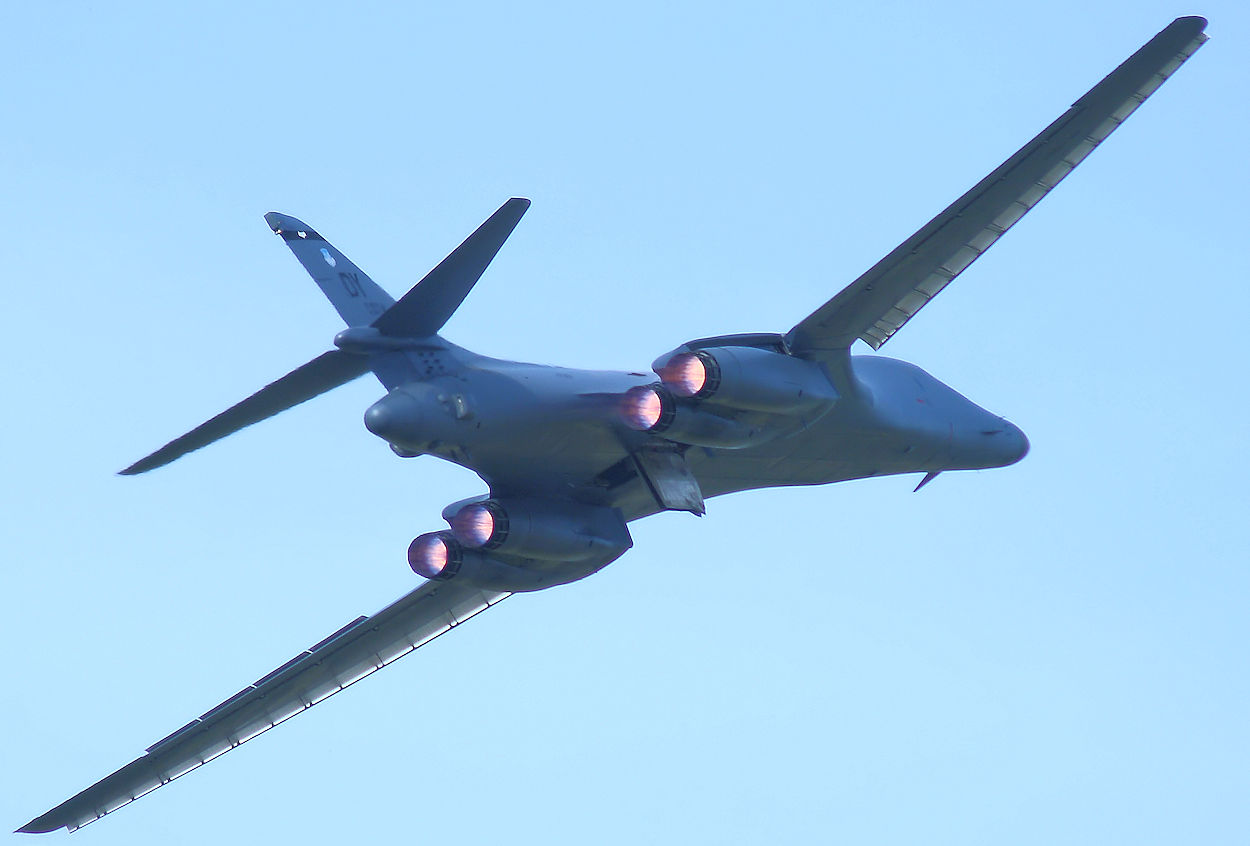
[[419, 314], [357, 298], [422, 311]]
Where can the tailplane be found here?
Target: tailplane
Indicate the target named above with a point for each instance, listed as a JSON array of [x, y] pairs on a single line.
[[325, 372], [380, 328]]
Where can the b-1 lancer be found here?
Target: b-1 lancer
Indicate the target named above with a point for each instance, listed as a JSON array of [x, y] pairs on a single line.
[[571, 457]]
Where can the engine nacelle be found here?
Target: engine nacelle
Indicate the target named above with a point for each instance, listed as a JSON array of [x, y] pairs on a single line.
[[653, 408], [746, 378], [542, 529], [438, 556]]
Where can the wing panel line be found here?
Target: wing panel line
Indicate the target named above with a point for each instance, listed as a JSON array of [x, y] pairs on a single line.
[[354, 653]]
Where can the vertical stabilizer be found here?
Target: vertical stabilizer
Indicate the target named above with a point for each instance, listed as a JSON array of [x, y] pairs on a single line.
[[422, 311], [357, 298]]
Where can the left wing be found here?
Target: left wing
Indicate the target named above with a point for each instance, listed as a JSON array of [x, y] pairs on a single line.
[[875, 305], [362, 646]]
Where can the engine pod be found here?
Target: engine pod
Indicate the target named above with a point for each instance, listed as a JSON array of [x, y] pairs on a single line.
[[541, 529], [438, 556], [435, 556], [654, 409], [746, 378]]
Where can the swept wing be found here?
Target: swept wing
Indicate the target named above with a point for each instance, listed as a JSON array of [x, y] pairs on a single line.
[[878, 303], [362, 646], [871, 308]]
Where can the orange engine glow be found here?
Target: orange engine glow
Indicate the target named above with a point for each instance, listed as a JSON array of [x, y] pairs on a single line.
[[428, 556], [641, 408], [685, 374], [473, 525]]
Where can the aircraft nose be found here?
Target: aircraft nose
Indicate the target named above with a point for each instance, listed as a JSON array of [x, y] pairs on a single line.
[[1015, 443], [992, 442]]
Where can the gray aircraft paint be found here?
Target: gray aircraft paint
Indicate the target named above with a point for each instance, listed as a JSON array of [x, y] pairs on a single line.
[[566, 467]]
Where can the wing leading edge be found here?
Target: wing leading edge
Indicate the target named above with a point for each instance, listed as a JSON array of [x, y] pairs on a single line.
[[358, 649], [878, 303]]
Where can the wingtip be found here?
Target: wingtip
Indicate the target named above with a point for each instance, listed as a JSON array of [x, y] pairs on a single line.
[[143, 465], [1195, 24]]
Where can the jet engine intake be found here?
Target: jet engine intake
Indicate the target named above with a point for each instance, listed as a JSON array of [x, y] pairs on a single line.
[[747, 378], [541, 529], [653, 408]]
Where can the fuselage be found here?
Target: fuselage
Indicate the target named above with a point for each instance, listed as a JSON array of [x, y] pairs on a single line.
[[558, 431]]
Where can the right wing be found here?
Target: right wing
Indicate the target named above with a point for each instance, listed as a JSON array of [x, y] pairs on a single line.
[[362, 646], [874, 306]]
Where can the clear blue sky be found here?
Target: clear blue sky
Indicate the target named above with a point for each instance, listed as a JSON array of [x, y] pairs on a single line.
[[1050, 653]]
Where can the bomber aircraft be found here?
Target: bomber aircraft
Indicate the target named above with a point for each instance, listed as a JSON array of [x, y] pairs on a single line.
[[571, 457]]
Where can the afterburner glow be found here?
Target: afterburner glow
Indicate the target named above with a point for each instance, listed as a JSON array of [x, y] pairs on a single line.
[[641, 408], [685, 374], [428, 556], [473, 525]]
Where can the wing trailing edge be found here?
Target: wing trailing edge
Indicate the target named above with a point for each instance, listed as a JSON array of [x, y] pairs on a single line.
[[878, 303], [358, 649]]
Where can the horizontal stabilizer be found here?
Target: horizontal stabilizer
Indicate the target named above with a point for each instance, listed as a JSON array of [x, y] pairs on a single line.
[[323, 373], [423, 310]]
